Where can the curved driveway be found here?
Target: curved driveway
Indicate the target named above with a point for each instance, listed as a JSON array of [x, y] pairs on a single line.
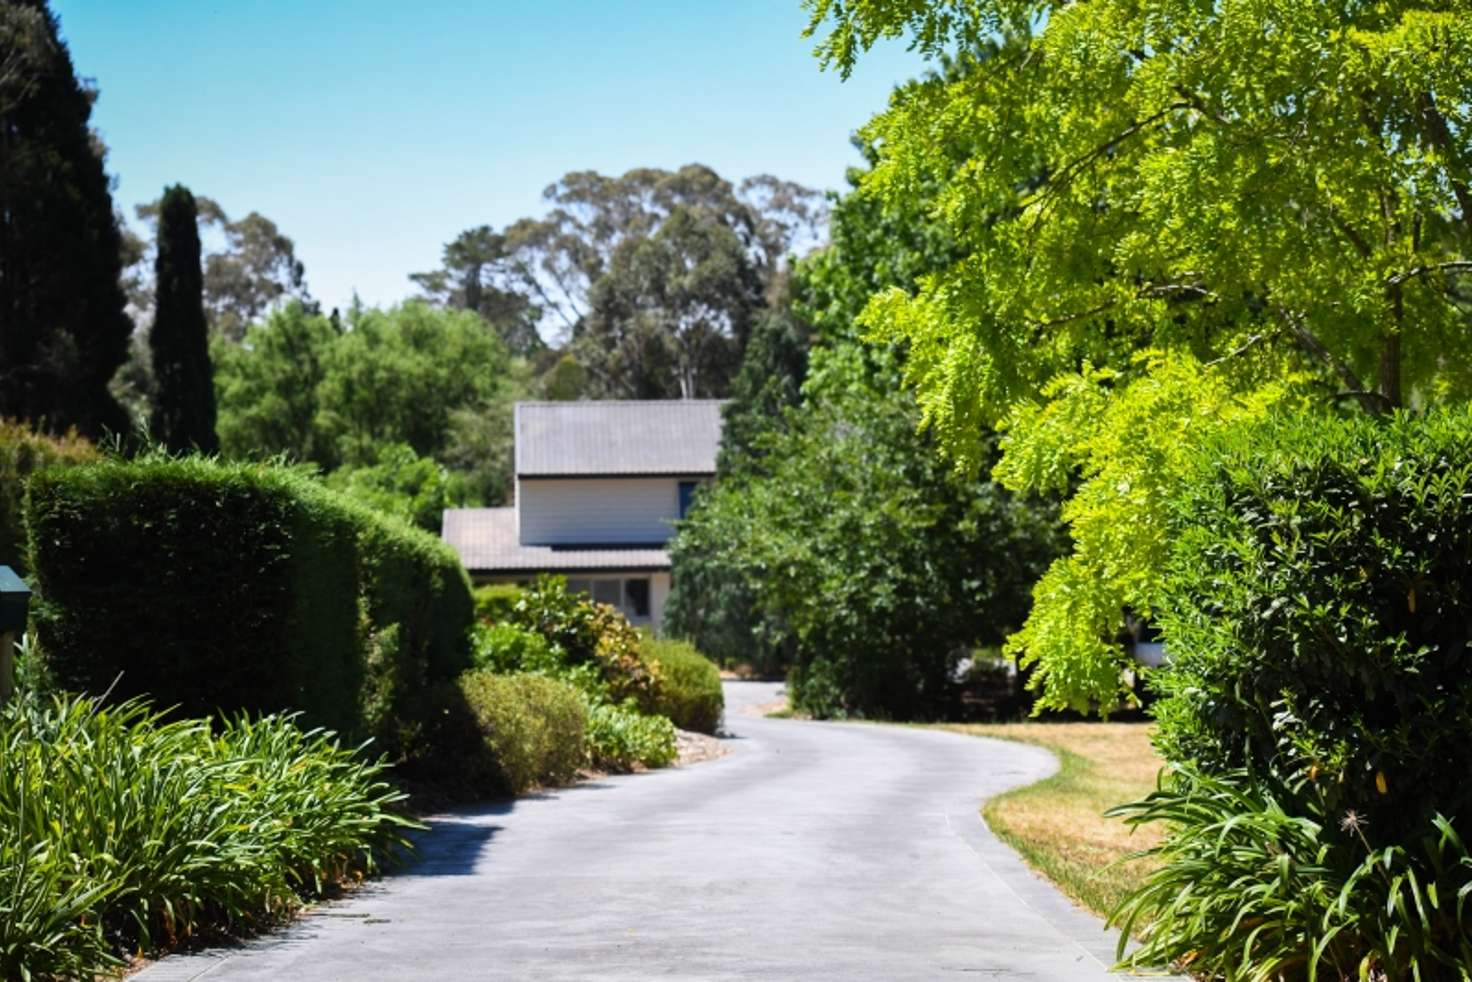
[[813, 850]]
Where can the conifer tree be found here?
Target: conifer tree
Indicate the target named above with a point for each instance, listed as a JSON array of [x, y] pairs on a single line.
[[184, 400], [63, 327]]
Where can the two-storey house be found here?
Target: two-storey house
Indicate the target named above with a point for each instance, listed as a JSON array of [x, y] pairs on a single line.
[[598, 486]]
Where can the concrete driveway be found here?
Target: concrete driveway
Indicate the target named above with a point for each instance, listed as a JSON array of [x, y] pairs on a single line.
[[812, 851]]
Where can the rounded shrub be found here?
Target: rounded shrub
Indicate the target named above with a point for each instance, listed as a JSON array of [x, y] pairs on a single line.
[[496, 601], [1317, 705], [1319, 612], [513, 732], [620, 737], [689, 688]]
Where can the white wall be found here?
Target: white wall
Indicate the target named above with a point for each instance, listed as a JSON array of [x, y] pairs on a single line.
[[597, 511], [659, 592]]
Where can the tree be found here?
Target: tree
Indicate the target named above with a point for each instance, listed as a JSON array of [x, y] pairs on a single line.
[[267, 387], [401, 483], [396, 376], [1167, 218], [872, 245], [63, 328], [257, 270], [872, 562], [474, 266], [184, 393], [769, 383], [670, 316], [344, 394], [649, 278]]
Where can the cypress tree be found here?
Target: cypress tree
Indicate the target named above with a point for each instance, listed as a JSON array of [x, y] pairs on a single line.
[[63, 326], [184, 395]]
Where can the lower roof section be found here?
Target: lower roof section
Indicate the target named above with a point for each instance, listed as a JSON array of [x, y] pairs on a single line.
[[488, 541]]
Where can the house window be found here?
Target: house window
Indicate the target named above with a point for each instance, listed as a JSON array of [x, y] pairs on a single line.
[[607, 592], [687, 495], [579, 586], [636, 595]]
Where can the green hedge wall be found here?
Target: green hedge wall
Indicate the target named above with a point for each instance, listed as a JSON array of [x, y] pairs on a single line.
[[226, 587]]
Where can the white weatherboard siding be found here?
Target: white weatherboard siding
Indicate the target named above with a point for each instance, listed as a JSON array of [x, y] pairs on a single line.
[[601, 511]]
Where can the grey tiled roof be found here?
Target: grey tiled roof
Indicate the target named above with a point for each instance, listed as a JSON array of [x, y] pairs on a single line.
[[665, 436], [487, 541]]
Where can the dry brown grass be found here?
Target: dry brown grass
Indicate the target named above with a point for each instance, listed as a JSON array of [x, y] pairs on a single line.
[[1058, 824]]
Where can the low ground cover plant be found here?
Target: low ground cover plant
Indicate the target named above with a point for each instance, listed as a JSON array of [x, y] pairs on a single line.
[[123, 832], [619, 736], [1318, 705]]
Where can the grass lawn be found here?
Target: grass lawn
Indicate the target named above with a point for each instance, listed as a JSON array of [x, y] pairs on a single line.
[[1058, 824]]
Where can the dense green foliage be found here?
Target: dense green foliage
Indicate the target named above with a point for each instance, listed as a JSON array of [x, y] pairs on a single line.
[[1316, 706], [63, 327], [1317, 612], [122, 833], [1260, 883], [870, 248], [267, 388], [513, 732], [689, 690], [403, 484], [436, 381], [591, 634], [874, 563], [1264, 205], [495, 601], [548, 631], [619, 736], [231, 587], [183, 416], [23, 452]]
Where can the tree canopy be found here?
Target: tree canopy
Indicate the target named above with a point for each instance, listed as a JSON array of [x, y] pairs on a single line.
[[1172, 214], [649, 279], [435, 381], [253, 271], [184, 397], [63, 327]]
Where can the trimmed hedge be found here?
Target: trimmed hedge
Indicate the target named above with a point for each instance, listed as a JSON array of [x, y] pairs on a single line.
[[419, 609], [689, 690], [512, 732], [218, 587]]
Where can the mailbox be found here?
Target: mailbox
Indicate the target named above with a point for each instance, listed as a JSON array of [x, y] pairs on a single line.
[[15, 599]]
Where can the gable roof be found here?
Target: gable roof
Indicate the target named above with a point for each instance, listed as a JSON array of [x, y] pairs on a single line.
[[487, 541], [581, 439]]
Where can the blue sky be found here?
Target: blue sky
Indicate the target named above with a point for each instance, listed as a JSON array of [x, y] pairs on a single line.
[[373, 131]]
